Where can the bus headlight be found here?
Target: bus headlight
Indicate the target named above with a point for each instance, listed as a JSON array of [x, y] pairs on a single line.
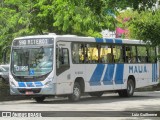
[[50, 78], [11, 79], [48, 83]]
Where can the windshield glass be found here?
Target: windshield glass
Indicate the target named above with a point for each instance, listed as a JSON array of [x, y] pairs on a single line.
[[6, 68], [32, 61]]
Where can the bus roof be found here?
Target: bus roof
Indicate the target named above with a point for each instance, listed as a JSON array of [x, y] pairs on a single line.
[[83, 39]]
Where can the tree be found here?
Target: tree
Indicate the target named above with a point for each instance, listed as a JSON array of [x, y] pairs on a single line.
[[14, 20], [144, 26], [81, 17]]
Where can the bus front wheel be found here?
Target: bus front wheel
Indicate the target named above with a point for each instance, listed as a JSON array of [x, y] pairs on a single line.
[[129, 91], [75, 96], [39, 99]]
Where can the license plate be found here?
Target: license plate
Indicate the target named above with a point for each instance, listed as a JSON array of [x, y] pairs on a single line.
[[29, 92]]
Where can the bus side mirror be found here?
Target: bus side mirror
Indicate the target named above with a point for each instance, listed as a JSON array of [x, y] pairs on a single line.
[[4, 54]]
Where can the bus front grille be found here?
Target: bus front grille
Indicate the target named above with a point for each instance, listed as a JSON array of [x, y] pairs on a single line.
[[34, 90]]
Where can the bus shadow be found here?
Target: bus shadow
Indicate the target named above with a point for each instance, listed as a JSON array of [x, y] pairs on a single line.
[[97, 100]]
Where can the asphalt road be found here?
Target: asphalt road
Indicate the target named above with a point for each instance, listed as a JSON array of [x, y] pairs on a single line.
[[109, 105]]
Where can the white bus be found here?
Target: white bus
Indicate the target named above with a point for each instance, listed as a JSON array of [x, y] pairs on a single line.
[[69, 65]]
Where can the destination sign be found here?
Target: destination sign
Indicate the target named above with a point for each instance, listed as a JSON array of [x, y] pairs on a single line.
[[36, 41]]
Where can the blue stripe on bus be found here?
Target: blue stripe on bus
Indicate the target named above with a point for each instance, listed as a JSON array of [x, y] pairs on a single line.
[[109, 40], [97, 74], [119, 41], [156, 76], [119, 74], [21, 84], [108, 77], [99, 40], [30, 84], [152, 72], [38, 84], [106, 40]]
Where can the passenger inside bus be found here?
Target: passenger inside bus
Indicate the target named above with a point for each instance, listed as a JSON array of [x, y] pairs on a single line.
[[131, 59]]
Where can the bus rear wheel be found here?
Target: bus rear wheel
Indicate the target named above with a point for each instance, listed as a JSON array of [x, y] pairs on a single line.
[[129, 91], [96, 94], [75, 96], [39, 99]]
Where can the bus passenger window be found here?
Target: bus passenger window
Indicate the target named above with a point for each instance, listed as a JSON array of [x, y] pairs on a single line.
[[92, 53], [131, 56], [106, 54], [128, 54], [75, 53], [78, 53], [152, 55], [118, 54], [142, 54]]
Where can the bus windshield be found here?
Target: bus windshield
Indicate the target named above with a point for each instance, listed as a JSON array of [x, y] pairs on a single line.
[[32, 61]]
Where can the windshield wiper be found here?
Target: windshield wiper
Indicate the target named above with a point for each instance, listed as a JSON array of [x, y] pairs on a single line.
[[41, 51]]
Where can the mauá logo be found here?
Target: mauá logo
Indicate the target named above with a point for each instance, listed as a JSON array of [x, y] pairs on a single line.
[[138, 69]]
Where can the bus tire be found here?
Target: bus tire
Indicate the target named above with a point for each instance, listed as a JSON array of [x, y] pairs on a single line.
[[129, 91], [75, 96], [96, 94], [39, 99]]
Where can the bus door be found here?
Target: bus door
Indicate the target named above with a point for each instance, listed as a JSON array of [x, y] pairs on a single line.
[[63, 72]]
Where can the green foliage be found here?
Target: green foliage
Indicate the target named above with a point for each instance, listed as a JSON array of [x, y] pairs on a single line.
[[81, 17], [139, 5], [145, 26]]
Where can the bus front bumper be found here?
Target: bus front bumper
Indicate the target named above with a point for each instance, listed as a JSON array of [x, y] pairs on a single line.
[[45, 90]]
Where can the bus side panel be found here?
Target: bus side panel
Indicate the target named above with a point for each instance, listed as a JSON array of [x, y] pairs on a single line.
[[154, 74], [65, 80], [96, 79], [80, 71], [101, 77], [119, 76], [142, 73]]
